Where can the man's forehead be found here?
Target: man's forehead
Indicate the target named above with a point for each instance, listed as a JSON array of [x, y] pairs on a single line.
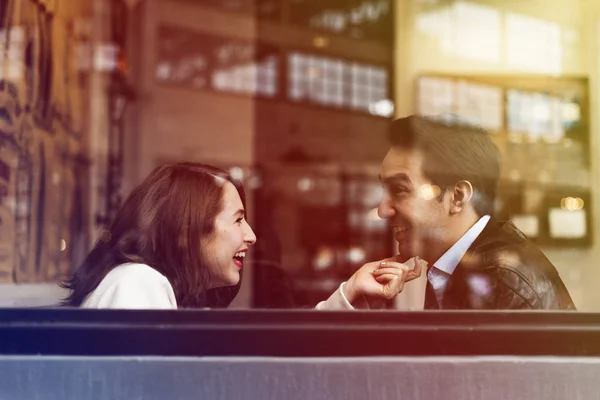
[[401, 160]]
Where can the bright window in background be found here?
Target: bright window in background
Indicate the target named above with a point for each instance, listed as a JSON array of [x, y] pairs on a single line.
[[369, 86], [474, 103], [533, 44], [480, 105], [436, 96], [335, 82], [316, 79], [466, 30], [540, 116], [486, 34], [477, 31]]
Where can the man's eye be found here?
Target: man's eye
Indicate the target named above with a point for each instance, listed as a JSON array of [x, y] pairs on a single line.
[[399, 190], [239, 220]]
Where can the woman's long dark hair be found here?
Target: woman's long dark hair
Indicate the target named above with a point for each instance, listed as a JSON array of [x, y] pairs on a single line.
[[162, 224]]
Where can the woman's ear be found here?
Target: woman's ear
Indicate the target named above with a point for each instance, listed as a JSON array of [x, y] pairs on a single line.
[[461, 196]]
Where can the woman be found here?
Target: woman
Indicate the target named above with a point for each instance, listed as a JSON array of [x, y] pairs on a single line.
[[180, 240]]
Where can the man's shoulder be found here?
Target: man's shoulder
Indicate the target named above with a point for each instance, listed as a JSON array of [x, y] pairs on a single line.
[[502, 243], [515, 262]]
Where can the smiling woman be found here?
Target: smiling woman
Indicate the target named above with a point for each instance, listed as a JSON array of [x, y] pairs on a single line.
[[179, 240]]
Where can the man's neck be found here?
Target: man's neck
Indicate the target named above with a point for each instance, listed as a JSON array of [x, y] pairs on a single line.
[[457, 229]]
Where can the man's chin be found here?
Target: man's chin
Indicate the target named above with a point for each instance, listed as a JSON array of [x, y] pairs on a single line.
[[403, 255]]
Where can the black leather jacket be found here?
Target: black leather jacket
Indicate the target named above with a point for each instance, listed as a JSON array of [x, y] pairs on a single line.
[[504, 270]]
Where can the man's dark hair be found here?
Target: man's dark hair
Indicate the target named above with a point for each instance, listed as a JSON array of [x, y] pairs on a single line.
[[453, 153]]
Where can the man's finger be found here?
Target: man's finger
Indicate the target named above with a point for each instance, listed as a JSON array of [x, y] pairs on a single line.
[[420, 266]]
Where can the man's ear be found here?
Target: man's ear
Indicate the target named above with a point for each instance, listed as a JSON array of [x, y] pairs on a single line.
[[461, 196]]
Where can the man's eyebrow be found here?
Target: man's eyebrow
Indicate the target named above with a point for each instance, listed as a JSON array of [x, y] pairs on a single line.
[[240, 212], [400, 177]]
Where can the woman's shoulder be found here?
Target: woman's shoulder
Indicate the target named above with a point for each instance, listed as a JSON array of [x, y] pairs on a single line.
[[135, 271], [132, 285]]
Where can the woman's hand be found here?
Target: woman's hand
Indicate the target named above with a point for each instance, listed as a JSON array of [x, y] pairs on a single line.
[[383, 279]]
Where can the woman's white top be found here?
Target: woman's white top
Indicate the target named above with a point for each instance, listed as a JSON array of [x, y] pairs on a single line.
[[139, 286], [132, 286]]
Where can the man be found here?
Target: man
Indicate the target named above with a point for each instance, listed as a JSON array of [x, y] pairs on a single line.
[[440, 186]]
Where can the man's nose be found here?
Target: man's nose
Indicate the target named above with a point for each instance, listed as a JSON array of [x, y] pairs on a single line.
[[385, 209]]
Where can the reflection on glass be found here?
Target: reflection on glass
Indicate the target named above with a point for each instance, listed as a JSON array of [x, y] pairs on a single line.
[[203, 61], [267, 9], [12, 53], [358, 19]]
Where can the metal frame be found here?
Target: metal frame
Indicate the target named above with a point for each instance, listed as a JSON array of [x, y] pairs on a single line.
[[298, 333]]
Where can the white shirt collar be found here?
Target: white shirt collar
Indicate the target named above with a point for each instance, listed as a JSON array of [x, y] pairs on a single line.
[[450, 259]]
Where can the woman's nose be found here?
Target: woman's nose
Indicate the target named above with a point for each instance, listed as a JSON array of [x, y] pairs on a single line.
[[249, 236]]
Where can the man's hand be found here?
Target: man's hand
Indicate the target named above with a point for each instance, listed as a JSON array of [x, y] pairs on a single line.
[[383, 279]]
